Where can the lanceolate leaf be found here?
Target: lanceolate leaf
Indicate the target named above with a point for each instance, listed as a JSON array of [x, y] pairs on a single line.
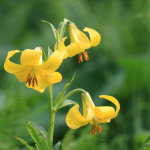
[[67, 102], [56, 147], [41, 143], [59, 99], [61, 28], [42, 131], [49, 52], [25, 143], [53, 29], [44, 55]]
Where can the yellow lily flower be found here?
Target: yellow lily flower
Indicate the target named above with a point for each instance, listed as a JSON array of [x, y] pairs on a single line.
[[31, 70], [79, 42], [92, 114]]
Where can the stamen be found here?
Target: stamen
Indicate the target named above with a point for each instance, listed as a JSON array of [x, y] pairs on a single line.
[[80, 58], [85, 54], [93, 130], [32, 79], [28, 79], [99, 129], [35, 80]]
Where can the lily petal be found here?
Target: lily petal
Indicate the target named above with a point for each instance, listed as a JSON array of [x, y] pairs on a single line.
[[49, 79], [94, 36], [74, 118], [73, 49], [22, 75], [78, 37], [31, 57], [62, 48], [103, 113], [88, 106], [15, 68], [53, 62], [107, 112]]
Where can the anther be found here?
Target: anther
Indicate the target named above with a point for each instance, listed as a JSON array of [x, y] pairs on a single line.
[[28, 79], [80, 58], [85, 54], [99, 129], [35, 80], [93, 130]]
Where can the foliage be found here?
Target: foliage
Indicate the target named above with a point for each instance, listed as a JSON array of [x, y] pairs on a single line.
[[119, 66]]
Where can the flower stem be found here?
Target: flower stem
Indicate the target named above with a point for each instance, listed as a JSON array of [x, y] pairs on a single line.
[[72, 92], [51, 119]]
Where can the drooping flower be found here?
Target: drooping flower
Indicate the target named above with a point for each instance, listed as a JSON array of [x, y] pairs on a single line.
[[92, 114], [31, 70], [79, 42]]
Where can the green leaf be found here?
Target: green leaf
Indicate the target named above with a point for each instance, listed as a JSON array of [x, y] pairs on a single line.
[[56, 147], [53, 29], [41, 143], [61, 29], [43, 53], [59, 99], [67, 102], [41, 130], [49, 52], [24, 142]]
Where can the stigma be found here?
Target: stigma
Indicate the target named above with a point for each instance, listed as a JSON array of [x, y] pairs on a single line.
[[32, 80]]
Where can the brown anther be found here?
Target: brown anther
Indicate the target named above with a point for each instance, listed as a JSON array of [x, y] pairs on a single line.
[[99, 129], [28, 79], [35, 80], [85, 54], [93, 130], [80, 58]]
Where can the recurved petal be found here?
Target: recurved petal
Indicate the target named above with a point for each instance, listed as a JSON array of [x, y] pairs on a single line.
[[62, 48], [103, 113], [70, 125], [74, 119], [73, 49], [113, 100], [78, 37], [31, 57], [94, 36], [53, 62], [49, 79], [88, 106], [12, 67], [22, 75]]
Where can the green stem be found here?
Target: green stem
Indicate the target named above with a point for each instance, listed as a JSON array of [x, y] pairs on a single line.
[[72, 92], [51, 119]]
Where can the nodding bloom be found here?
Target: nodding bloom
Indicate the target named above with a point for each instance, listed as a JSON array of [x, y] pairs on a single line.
[[92, 114], [37, 75], [79, 42]]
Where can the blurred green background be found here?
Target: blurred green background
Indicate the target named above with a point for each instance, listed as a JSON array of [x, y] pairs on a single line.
[[119, 66]]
